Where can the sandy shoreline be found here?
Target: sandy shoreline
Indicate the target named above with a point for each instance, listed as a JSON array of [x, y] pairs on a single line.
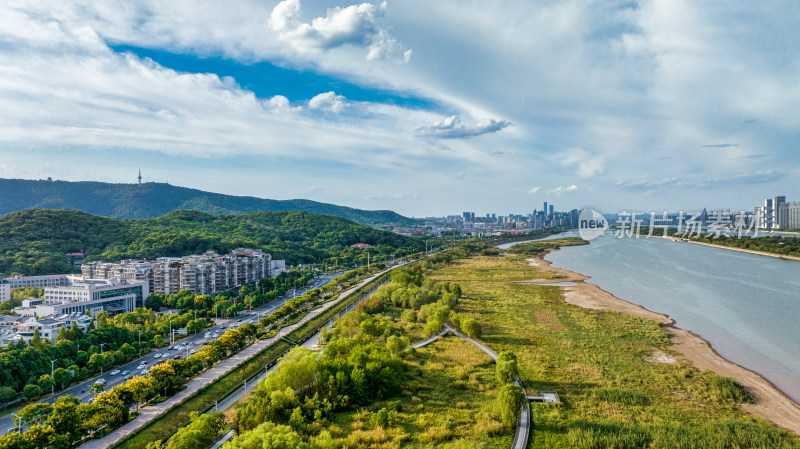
[[741, 250], [770, 402]]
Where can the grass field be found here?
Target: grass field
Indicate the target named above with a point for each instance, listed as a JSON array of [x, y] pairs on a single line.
[[447, 402], [615, 393]]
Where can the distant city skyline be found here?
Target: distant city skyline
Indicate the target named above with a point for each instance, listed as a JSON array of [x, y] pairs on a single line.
[[419, 107]]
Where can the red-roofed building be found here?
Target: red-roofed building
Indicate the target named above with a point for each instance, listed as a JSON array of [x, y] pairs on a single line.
[[362, 245]]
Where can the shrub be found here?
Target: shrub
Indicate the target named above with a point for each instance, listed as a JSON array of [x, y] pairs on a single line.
[[727, 389]]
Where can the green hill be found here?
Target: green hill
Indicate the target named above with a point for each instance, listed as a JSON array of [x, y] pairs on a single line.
[[35, 241], [155, 199]]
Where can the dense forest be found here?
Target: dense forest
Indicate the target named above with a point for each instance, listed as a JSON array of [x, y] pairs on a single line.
[[35, 241], [153, 199]]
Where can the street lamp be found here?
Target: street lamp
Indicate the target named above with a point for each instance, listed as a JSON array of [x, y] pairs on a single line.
[[20, 421], [140, 338], [52, 387]]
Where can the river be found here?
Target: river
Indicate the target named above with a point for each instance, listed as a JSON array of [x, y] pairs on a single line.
[[747, 306]]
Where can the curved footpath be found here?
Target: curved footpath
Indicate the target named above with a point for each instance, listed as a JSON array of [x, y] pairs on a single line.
[[152, 412], [524, 423]]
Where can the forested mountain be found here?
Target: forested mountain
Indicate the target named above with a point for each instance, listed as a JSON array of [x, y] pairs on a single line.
[[35, 241], [152, 199]]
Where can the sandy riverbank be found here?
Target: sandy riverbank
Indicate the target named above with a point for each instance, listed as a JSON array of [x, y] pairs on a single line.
[[770, 403]]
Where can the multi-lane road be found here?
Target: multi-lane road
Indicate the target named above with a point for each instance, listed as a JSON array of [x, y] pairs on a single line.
[[189, 343]]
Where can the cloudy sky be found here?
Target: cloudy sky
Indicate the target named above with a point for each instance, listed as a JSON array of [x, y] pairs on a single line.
[[423, 107]]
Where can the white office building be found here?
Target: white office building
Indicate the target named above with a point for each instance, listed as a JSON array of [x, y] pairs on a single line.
[[111, 295], [50, 280]]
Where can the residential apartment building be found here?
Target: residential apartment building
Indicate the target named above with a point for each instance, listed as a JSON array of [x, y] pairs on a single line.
[[205, 274], [5, 290]]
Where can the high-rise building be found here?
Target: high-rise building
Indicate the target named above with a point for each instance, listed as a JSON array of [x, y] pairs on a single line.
[[792, 215], [778, 212], [545, 208], [766, 213], [552, 210]]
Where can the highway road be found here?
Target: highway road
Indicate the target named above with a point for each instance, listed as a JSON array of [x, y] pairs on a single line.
[[189, 343]]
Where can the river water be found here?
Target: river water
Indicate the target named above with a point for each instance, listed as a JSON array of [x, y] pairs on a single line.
[[747, 306]]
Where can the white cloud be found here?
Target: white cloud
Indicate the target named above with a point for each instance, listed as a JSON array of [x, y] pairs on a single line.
[[558, 191], [584, 163], [534, 190], [354, 25], [452, 128], [328, 101]]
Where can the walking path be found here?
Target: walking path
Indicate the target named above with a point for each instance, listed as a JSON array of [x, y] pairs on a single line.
[[150, 413], [524, 422]]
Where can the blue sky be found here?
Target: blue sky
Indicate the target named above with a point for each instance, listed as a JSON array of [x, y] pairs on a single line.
[[426, 108]]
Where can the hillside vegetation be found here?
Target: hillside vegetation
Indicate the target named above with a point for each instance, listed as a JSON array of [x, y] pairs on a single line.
[[153, 199], [35, 241]]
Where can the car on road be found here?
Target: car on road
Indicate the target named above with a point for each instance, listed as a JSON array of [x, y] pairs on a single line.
[[114, 373], [208, 334], [177, 357], [157, 356], [129, 377], [192, 351], [126, 372], [165, 355], [171, 348], [143, 362], [101, 381]]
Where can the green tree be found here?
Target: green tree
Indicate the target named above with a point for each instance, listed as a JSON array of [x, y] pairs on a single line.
[[471, 328], [140, 388], [7, 394], [46, 382], [35, 414], [62, 377], [65, 419], [96, 361], [269, 435], [506, 367], [102, 319], [31, 391], [201, 431], [509, 402], [396, 344]]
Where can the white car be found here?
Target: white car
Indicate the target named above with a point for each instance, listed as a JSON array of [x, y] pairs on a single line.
[[100, 381], [208, 334], [157, 356], [192, 351], [114, 373], [165, 355]]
